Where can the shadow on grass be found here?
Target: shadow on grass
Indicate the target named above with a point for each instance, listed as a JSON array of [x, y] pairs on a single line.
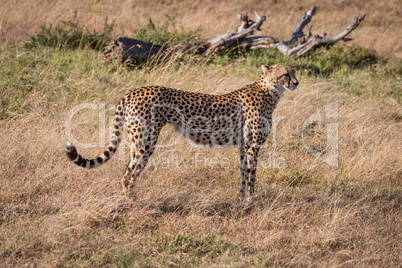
[[193, 202]]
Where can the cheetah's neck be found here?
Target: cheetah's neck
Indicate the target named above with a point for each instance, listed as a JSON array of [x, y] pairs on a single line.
[[277, 90]]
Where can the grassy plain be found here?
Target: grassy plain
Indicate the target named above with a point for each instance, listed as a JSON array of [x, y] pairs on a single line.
[[188, 212]]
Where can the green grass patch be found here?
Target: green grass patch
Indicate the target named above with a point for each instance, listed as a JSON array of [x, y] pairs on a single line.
[[322, 62], [122, 259], [211, 245], [36, 81], [71, 35]]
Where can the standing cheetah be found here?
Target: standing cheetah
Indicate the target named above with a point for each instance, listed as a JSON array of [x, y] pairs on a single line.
[[242, 117]]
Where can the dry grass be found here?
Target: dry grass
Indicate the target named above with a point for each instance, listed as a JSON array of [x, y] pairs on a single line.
[[188, 213], [381, 30]]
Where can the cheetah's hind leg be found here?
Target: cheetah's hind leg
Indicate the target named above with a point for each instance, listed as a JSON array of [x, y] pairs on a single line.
[[128, 181], [138, 160]]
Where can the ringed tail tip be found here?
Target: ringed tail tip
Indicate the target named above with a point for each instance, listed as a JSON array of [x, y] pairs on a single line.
[[71, 151], [68, 146]]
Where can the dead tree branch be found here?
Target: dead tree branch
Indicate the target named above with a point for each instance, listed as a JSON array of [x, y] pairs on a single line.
[[304, 20], [283, 46], [230, 39], [323, 40]]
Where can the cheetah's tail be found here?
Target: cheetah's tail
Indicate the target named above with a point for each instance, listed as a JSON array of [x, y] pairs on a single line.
[[77, 159]]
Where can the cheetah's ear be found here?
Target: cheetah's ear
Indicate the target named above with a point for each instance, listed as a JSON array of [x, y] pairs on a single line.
[[265, 69]]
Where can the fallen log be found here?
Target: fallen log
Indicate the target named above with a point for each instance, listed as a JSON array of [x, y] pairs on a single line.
[[129, 50]]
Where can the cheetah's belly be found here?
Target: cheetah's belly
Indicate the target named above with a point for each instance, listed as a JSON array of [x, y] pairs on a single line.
[[213, 129]]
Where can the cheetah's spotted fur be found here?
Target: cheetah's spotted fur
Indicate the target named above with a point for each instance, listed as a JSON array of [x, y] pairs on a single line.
[[242, 117]]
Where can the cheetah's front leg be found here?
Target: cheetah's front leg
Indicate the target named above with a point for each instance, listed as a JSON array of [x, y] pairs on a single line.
[[248, 168], [252, 159], [243, 171]]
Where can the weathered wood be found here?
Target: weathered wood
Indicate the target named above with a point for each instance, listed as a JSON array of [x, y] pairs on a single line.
[[127, 49], [229, 40], [284, 46], [253, 42], [323, 40], [304, 20], [245, 22]]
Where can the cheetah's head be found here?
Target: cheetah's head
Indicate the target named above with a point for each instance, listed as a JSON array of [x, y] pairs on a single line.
[[279, 75]]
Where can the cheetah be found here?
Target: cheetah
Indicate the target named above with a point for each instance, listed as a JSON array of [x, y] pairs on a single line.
[[242, 117]]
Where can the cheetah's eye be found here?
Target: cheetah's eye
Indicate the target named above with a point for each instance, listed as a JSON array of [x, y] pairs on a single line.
[[288, 77]]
